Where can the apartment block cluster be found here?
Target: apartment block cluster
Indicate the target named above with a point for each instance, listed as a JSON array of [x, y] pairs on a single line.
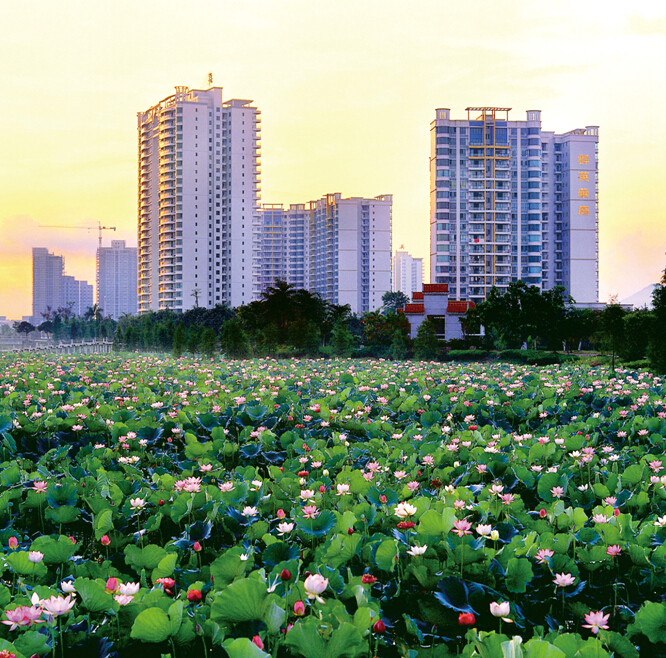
[[205, 239], [510, 201], [116, 283]]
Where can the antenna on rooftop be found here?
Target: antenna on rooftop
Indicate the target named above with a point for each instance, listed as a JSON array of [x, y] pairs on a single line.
[[210, 79]]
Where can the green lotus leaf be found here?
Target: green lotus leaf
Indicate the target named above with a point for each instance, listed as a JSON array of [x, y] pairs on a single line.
[[94, 596], [146, 557], [152, 625], [386, 556], [518, 574], [56, 551], [242, 647], [314, 639], [243, 600]]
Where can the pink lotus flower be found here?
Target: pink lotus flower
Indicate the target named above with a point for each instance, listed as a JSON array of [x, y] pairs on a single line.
[[310, 511], [543, 555], [40, 486], [58, 605], [123, 599], [314, 585], [501, 610], [596, 621], [564, 579], [614, 550], [462, 527], [23, 616], [557, 492]]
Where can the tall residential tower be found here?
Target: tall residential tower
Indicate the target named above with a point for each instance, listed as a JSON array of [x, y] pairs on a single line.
[[511, 201], [407, 273], [339, 248], [198, 193], [116, 279]]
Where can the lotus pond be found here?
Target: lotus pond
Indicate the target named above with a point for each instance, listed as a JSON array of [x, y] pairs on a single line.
[[330, 509]]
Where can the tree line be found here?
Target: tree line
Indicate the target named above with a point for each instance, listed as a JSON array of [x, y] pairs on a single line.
[[62, 324], [525, 316]]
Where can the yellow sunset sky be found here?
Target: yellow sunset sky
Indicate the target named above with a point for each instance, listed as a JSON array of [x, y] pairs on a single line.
[[347, 91]]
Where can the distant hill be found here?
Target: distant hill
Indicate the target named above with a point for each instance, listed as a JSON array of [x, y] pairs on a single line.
[[641, 298]]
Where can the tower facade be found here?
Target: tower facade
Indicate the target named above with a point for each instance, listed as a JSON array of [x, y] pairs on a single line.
[[510, 201], [338, 248], [116, 279], [407, 273], [47, 275], [198, 193]]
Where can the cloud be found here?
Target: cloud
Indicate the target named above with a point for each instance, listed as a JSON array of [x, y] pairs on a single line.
[[643, 26]]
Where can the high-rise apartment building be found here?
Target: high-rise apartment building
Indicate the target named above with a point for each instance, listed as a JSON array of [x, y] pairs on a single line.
[[283, 245], [339, 248], [198, 193], [407, 273], [76, 295], [510, 201], [116, 279], [52, 289], [47, 274]]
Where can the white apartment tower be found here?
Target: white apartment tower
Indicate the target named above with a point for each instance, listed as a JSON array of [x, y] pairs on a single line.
[[198, 194], [47, 284], [511, 201], [339, 248], [407, 273], [350, 250], [283, 245], [116, 279]]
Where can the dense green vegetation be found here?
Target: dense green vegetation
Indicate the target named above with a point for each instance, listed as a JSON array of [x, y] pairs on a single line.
[[340, 508]]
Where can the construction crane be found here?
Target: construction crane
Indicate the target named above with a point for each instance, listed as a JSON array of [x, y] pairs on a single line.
[[87, 228]]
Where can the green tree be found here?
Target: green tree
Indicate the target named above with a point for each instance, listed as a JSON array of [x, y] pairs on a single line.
[[657, 344], [208, 342], [426, 343], [392, 301], [24, 327], [179, 341], [399, 345], [234, 339], [193, 341], [342, 340], [636, 335], [612, 328]]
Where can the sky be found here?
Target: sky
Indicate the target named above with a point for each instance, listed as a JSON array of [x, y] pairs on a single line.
[[347, 91]]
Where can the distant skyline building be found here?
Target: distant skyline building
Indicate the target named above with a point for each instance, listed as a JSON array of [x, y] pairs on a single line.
[[283, 245], [339, 248], [76, 295], [116, 279], [47, 273], [407, 273], [52, 289], [198, 195], [510, 201]]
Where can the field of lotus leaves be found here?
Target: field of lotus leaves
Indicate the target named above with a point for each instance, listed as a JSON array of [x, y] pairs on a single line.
[[330, 509]]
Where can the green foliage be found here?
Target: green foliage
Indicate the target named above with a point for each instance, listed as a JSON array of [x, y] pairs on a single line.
[[234, 340], [392, 301], [523, 312], [208, 342], [342, 340], [179, 341], [656, 350], [638, 327], [426, 343], [400, 345]]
